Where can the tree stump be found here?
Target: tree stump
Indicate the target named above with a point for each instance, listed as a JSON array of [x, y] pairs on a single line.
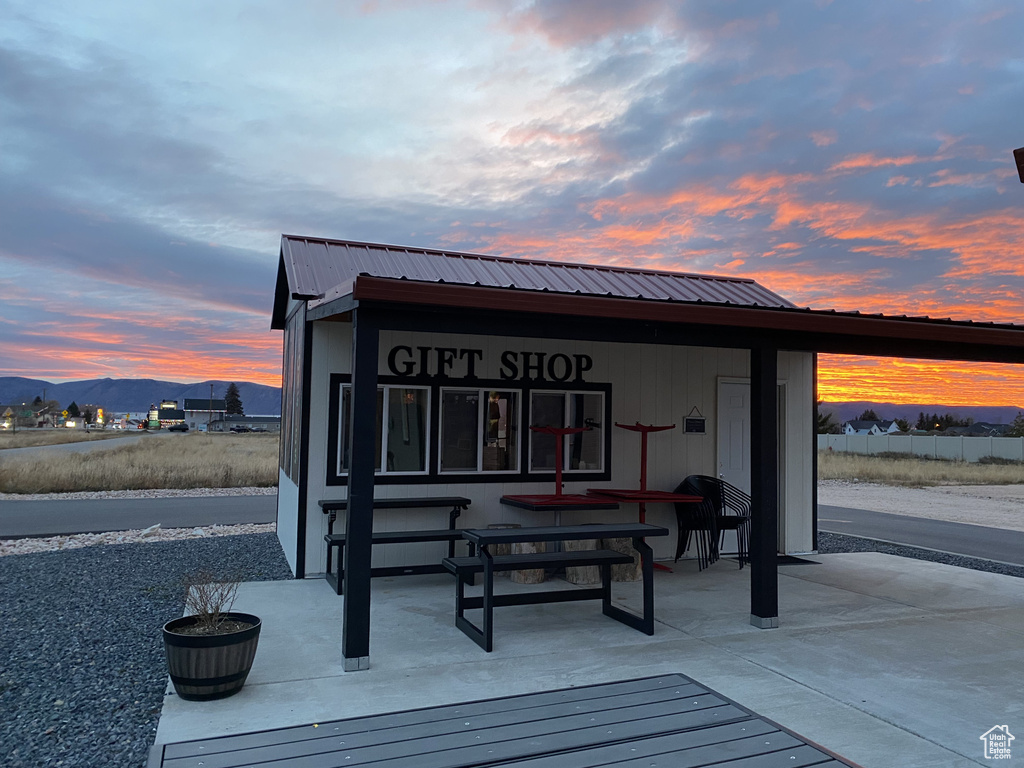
[[581, 574], [502, 549], [626, 571], [531, 575]]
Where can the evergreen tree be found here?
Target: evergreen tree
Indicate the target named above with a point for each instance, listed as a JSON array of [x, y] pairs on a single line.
[[37, 401], [1017, 428], [868, 415], [233, 401], [826, 424], [902, 424], [73, 410]]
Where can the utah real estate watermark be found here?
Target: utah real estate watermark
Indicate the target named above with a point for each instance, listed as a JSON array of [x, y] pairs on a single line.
[[997, 742]]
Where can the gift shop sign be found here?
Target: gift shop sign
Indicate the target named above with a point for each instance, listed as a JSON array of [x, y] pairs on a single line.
[[462, 363]]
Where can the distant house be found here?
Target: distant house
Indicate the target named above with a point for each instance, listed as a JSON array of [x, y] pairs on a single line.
[[977, 429], [169, 413], [199, 411], [985, 429], [236, 423], [867, 427], [19, 415]]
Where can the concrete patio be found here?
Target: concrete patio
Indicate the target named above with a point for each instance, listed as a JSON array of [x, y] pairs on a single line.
[[884, 660]]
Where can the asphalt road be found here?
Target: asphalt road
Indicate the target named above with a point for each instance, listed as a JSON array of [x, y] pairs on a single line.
[[959, 538], [126, 437], [21, 519]]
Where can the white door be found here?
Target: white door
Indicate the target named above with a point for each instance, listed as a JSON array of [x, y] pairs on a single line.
[[734, 433], [734, 442]]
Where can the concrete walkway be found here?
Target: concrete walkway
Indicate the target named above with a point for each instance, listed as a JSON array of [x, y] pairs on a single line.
[[884, 660]]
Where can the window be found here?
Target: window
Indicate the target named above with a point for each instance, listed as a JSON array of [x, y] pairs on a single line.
[[401, 447], [583, 451], [458, 431], [479, 430]]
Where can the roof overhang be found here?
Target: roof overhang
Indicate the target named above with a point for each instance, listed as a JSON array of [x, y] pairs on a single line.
[[286, 276], [784, 328]]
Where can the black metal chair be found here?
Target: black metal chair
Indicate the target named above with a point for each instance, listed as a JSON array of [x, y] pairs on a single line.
[[728, 509], [696, 519]]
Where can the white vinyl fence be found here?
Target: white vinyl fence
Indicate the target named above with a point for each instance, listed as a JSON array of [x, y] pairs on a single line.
[[932, 446]]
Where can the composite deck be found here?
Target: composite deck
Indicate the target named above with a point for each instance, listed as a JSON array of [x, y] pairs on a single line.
[[668, 721]]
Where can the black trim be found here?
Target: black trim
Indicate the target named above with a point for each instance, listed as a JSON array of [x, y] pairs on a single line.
[[340, 306], [804, 338], [433, 475], [814, 453], [355, 636], [764, 484]]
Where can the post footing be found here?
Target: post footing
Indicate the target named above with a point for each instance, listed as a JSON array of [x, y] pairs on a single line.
[[356, 664]]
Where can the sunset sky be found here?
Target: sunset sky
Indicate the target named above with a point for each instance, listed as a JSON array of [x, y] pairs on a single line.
[[847, 155]]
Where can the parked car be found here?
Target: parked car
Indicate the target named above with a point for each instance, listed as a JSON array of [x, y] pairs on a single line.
[[240, 429], [183, 427]]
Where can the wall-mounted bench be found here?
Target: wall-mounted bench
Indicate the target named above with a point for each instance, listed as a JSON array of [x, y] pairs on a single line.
[[484, 562], [451, 534]]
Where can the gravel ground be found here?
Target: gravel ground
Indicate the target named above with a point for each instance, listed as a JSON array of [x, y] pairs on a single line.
[[82, 669], [830, 543]]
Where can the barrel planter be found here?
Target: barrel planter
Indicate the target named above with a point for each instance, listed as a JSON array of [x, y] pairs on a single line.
[[204, 667]]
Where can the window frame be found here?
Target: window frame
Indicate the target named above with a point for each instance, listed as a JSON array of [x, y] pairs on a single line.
[[483, 393], [336, 455], [567, 440], [434, 476]]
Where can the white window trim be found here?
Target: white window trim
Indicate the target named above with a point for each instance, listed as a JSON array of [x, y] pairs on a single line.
[[383, 457], [566, 443], [481, 426]]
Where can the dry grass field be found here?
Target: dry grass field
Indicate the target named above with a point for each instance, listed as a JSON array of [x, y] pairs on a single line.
[[33, 438], [899, 469], [164, 461]]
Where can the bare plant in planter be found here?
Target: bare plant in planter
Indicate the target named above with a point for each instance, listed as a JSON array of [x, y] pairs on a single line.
[[211, 649]]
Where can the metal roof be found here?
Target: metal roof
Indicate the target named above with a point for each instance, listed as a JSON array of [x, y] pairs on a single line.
[[332, 276], [323, 270]]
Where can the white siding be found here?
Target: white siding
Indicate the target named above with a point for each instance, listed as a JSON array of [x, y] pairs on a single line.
[[796, 513], [651, 384], [287, 503]]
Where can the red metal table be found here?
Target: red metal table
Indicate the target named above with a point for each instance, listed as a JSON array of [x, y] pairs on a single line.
[[641, 498]]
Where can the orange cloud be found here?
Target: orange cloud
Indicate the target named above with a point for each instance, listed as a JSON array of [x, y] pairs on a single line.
[[903, 381], [871, 160]]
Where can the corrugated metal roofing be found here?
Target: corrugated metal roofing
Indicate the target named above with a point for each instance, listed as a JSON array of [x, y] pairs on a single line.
[[322, 270]]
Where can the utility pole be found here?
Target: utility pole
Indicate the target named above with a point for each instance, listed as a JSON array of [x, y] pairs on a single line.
[[209, 416], [1018, 157]]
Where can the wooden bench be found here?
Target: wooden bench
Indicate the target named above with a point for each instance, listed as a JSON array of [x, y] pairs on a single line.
[[484, 562], [451, 534]]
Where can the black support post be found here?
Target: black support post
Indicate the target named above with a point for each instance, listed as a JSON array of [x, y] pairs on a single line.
[[355, 639], [764, 488]]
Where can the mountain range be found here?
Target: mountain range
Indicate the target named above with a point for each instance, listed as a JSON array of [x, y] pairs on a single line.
[[849, 410], [136, 395]]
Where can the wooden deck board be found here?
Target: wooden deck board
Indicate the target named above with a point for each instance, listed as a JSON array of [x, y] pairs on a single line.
[[669, 719]]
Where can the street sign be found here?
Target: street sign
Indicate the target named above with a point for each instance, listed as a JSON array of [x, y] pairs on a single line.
[[64, 414]]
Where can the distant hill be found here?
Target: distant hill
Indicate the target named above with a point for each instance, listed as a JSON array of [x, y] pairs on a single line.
[[993, 414], [133, 395]]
